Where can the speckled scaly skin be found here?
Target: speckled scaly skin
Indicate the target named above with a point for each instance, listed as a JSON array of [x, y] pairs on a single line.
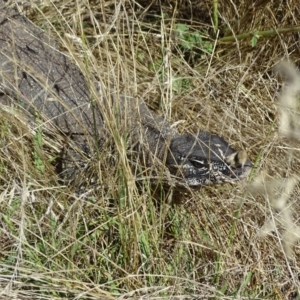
[[35, 77]]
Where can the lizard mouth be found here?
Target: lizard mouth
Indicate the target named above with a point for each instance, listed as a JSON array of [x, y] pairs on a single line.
[[215, 174], [200, 172]]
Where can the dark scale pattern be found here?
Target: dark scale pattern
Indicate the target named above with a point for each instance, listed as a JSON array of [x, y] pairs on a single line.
[[42, 83], [203, 159]]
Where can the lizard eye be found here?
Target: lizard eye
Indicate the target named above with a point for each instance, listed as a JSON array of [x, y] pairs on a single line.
[[197, 163]]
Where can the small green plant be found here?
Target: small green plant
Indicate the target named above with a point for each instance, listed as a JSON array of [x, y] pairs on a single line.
[[254, 39], [181, 84], [38, 144], [215, 15], [190, 39], [38, 159]]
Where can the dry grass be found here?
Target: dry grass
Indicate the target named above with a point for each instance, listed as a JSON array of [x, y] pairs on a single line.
[[124, 240]]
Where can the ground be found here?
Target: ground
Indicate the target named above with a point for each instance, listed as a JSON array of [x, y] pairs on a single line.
[[207, 65]]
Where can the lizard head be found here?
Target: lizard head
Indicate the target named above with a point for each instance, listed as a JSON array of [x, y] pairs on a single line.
[[206, 159]]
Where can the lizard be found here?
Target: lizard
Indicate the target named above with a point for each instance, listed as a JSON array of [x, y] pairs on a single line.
[[37, 77]]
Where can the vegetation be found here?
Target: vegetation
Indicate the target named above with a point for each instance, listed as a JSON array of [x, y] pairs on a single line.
[[206, 67]]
